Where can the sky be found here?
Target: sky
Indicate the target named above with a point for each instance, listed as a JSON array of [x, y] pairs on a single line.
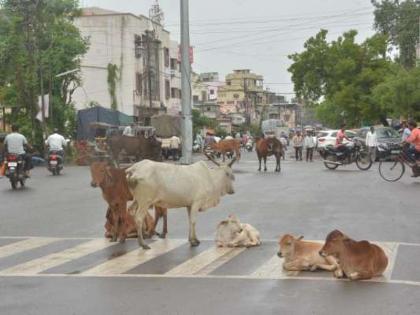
[[254, 34]]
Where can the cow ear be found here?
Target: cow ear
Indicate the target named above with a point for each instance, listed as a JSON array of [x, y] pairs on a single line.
[[299, 238]]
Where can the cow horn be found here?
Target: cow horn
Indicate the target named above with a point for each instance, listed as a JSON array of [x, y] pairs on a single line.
[[231, 162], [211, 159]]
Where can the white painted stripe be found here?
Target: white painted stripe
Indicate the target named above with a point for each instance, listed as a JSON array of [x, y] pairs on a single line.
[[134, 258], [24, 245], [219, 262], [304, 278], [199, 262], [38, 265], [272, 267]]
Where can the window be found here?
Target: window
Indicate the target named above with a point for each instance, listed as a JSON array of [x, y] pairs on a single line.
[[175, 93], [139, 83], [211, 92], [166, 57], [235, 95], [203, 95], [174, 64], [195, 98], [208, 108], [228, 83], [167, 89], [138, 46]]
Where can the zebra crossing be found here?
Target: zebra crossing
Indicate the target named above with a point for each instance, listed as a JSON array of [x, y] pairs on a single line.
[[84, 257]]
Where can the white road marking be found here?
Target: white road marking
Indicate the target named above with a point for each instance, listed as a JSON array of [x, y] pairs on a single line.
[[38, 265], [199, 266], [206, 262], [24, 245], [134, 258]]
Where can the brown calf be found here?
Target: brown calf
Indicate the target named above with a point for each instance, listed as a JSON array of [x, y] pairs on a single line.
[[359, 260], [303, 255], [120, 223]]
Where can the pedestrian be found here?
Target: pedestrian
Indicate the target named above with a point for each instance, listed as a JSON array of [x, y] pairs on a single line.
[[298, 144], [406, 132], [372, 143], [129, 130], [309, 143], [175, 142]]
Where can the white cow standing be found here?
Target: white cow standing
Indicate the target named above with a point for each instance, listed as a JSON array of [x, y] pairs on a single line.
[[196, 187]]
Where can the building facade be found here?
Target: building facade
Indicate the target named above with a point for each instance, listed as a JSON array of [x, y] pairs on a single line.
[[137, 56]]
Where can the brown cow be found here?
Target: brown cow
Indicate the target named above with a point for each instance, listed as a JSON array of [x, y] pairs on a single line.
[[227, 146], [138, 146], [120, 223], [304, 255], [266, 147], [358, 260]]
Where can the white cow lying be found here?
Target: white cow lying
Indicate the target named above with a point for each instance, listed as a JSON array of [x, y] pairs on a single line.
[[233, 233]]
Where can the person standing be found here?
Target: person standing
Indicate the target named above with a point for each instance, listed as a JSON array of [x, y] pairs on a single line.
[[175, 143], [309, 143], [406, 132], [129, 131], [298, 144], [371, 143]]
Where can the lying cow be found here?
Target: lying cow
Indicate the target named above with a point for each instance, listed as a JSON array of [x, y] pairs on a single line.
[[303, 255], [196, 187], [115, 192], [233, 233], [359, 260]]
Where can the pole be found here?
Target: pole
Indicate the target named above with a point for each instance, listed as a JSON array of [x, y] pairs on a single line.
[[186, 85]]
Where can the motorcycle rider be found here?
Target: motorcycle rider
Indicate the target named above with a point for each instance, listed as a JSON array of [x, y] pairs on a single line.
[[15, 143], [56, 143]]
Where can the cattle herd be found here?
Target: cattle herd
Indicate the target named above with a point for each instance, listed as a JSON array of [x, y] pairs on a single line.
[[197, 187]]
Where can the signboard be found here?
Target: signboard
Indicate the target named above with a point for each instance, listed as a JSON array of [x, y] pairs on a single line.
[[191, 54]]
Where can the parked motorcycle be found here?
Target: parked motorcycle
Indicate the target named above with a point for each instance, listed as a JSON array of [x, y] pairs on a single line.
[[55, 163], [350, 153], [15, 170]]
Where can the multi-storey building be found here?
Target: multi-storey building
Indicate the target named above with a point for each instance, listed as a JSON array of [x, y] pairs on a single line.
[[131, 65]]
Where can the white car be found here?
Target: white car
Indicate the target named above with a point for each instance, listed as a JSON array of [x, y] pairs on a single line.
[[328, 137]]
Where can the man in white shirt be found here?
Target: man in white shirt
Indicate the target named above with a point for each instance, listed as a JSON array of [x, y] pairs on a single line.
[[309, 143], [56, 142], [175, 142], [15, 143], [129, 131], [371, 143]]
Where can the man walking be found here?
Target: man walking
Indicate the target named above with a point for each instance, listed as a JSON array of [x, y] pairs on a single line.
[[309, 143], [298, 144], [371, 143]]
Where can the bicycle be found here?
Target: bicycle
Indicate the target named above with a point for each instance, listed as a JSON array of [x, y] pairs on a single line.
[[393, 171]]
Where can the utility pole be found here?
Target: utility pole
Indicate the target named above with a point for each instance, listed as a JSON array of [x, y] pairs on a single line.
[[186, 85]]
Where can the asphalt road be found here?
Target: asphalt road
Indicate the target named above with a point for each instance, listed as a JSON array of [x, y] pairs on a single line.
[[42, 223]]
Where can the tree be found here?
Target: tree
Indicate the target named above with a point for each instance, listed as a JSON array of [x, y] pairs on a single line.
[[400, 93], [338, 77], [400, 21], [38, 41], [199, 121]]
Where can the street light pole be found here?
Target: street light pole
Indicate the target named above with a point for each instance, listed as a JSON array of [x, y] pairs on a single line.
[[186, 85]]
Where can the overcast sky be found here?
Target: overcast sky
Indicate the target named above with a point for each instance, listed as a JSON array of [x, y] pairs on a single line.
[[254, 34]]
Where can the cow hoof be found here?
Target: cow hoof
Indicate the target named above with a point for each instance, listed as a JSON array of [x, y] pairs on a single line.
[[146, 247], [194, 243], [338, 274], [122, 240], [265, 170], [113, 239], [162, 235]]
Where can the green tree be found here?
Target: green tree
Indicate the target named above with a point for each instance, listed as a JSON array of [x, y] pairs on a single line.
[[400, 93], [400, 21], [38, 41], [338, 77], [200, 121]]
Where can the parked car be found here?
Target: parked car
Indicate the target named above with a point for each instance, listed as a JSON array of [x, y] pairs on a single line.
[[328, 137], [388, 139]]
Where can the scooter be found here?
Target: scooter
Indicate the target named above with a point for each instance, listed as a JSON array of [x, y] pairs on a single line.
[[55, 163], [249, 145]]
